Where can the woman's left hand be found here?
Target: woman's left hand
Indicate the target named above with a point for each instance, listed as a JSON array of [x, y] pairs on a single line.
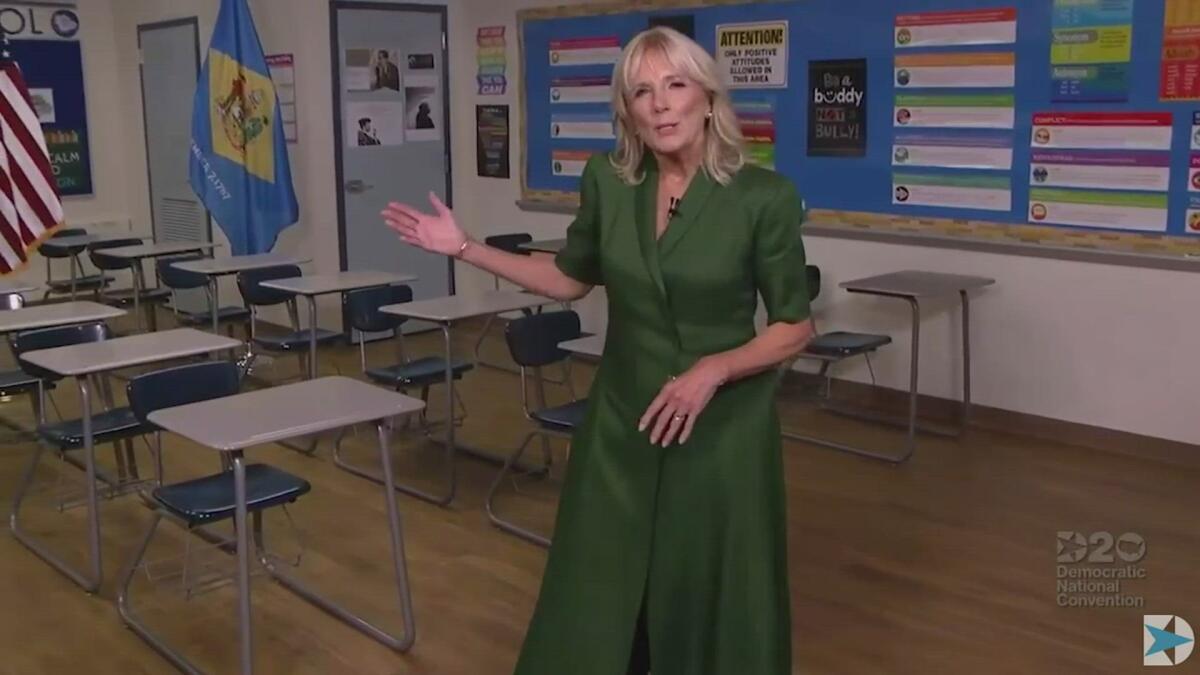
[[673, 413]]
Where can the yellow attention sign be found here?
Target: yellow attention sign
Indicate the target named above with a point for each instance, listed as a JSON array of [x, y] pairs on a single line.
[[241, 113], [753, 55]]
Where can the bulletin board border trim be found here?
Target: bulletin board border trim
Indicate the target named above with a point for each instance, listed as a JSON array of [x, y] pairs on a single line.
[[1131, 249]]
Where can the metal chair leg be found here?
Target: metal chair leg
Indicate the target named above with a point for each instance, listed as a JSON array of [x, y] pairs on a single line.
[[489, 503]]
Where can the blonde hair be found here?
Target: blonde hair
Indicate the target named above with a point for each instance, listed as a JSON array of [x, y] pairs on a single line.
[[723, 143]]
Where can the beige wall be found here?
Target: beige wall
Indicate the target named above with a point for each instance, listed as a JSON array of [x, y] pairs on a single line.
[[1089, 343]]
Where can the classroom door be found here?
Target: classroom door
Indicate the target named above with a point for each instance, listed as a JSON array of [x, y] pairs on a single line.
[[391, 111], [169, 54]]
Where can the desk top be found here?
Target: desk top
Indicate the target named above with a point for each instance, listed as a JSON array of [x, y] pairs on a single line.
[[57, 314], [545, 245], [135, 350], [283, 412], [916, 284], [156, 249], [455, 307], [588, 345], [337, 282], [238, 263]]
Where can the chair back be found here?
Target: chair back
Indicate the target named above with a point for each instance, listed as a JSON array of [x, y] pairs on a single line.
[[52, 250], [176, 279], [361, 307], [49, 338], [181, 385], [533, 340], [510, 242], [254, 293], [107, 262], [812, 276]]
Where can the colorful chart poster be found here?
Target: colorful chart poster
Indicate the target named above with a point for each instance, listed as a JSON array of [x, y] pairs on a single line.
[[1192, 226], [1105, 169], [993, 111], [583, 125], [987, 192], [1180, 79], [491, 141], [1095, 33], [283, 76], [757, 122], [837, 108], [568, 162], [493, 62], [1140, 211], [1102, 130], [970, 27], [585, 51], [590, 89], [1195, 141], [967, 69], [753, 55], [956, 152]]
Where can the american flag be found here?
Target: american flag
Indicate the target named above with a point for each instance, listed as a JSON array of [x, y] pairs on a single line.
[[29, 205]]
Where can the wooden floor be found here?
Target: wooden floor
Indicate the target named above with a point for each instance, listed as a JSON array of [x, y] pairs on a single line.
[[946, 564]]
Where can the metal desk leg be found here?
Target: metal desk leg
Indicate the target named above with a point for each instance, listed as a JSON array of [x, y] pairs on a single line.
[[212, 286], [135, 270], [73, 262], [243, 564], [399, 643], [91, 581], [451, 472], [312, 336], [965, 413], [312, 372], [910, 443]]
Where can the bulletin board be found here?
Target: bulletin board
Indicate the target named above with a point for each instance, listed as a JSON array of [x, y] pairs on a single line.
[[45, 44], [1052, 122]]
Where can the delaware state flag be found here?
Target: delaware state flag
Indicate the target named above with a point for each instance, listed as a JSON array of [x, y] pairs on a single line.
[[239, 163]]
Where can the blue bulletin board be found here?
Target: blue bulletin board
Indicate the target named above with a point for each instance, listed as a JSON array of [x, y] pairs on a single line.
[[1105, 103], [45, 44]]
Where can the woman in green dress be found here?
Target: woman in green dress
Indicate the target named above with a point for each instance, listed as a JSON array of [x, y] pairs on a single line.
[[669, 551]]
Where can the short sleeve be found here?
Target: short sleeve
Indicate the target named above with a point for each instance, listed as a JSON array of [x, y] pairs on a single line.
[[779, 260], [580, 258]]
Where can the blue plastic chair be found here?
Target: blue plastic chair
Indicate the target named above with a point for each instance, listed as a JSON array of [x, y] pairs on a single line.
[[255, 295], [533, 344], [177, 280], [199, 501]]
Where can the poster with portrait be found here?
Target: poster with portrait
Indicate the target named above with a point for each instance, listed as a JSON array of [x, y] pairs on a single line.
[[374, 123], [422, 112], [373, 69]]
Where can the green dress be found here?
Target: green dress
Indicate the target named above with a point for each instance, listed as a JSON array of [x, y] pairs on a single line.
[[696, 531]]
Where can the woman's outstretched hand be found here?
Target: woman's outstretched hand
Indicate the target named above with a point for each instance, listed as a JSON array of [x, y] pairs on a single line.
[[437, 232]]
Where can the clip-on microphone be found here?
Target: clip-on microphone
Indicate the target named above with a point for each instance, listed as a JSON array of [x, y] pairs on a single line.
[[673, 208]]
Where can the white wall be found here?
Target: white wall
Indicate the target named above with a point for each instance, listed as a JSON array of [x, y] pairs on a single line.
[[1088, 343]]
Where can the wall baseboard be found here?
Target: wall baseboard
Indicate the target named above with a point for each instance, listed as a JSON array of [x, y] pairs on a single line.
[[938, 409]]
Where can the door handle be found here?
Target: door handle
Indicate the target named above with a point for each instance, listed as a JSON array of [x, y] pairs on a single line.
[[357, 186]]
